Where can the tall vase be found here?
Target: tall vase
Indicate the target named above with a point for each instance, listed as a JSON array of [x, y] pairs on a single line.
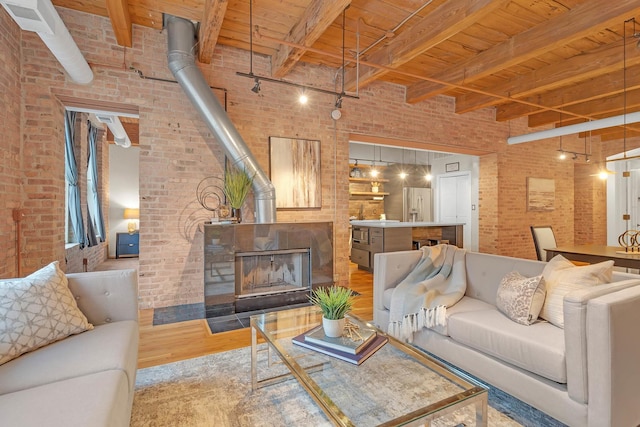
[[237, 214], [333, 328]]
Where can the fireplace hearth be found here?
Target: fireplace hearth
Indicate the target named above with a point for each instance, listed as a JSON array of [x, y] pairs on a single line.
[[251, 267]]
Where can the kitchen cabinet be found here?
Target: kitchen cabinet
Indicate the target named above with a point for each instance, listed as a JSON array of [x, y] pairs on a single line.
[[368, 241], [372, 237]]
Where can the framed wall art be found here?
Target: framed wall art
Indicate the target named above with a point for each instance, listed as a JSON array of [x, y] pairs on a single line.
[[295, 172], [541, 194]]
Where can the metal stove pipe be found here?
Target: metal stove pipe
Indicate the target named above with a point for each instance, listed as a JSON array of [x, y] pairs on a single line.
[[181, 42]]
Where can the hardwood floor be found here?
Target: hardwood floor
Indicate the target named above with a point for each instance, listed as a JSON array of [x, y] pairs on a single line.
[[178, 341]]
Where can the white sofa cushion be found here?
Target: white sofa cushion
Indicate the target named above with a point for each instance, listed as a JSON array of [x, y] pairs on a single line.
[[538, 348], [96, 400], [107, 347], [37, 311], [521, 298]]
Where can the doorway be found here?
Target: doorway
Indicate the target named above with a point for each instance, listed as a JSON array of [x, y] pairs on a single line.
[[453, 202]]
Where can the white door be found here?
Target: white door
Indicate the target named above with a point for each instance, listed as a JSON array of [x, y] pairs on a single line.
[[453, 193]]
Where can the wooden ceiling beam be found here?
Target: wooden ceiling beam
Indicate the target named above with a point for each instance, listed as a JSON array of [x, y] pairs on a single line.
[[580, 67], [573, 25], [210, 25], [120, 21], [444, 22], [315, 20], [132, 130], [608, 105], [585, 91], [613, 134]]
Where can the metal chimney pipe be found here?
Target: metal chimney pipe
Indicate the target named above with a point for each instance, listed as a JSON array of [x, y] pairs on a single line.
[[181, 42]]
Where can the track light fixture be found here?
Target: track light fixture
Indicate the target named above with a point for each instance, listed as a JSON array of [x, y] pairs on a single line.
[[256, 87], [258, 79]]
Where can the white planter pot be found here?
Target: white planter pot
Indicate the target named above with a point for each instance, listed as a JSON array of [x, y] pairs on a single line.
[[333, 328]]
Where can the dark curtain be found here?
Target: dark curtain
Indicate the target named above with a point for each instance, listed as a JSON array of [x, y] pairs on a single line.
[[71, 175], [93, 195]]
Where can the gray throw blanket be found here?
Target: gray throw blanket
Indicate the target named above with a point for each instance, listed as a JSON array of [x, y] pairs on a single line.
[[421, 299]]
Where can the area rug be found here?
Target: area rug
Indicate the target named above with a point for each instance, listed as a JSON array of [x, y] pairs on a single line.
[[215, 390]]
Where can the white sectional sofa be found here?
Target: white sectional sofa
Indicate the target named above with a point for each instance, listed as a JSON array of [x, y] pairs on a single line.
[[587, 374], [85, 379]]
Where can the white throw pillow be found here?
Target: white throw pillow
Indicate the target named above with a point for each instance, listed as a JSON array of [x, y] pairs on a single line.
[[36, 311], [555, 300], [521, 298], [562, 271]]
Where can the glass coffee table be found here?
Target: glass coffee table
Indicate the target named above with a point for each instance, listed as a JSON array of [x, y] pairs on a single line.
[[397, 385]]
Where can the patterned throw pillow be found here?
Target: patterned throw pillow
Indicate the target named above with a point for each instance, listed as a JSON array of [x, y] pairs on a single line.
[[36, 311], [521, 298]]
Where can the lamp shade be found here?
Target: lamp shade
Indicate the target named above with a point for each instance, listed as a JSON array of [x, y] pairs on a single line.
[[130, 213]]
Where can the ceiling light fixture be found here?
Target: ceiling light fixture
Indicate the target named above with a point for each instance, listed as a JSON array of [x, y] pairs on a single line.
[[258, 78], [402, 174], [355, 171], [256, 87], [374, 172], [303, 99], [428, 176]]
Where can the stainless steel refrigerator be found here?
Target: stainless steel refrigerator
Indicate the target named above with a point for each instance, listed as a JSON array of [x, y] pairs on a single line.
[[416, 204]]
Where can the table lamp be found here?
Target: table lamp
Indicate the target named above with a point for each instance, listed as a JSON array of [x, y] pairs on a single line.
[[131, 214]]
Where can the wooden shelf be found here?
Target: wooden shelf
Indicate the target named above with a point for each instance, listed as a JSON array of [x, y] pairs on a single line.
[[367, 193], [368, 180]]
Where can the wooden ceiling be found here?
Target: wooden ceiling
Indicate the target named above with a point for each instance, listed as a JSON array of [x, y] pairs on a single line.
[[555, 61]]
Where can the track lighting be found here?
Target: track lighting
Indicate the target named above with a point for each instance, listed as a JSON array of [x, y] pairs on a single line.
[[339, 102], [562, 155], [256, 87]]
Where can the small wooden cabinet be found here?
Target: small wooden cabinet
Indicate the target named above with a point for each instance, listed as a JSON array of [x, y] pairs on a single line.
[[127, 244]]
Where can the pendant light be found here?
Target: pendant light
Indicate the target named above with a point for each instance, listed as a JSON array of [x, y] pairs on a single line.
[[374, 172], [403, 174], [428, 176]]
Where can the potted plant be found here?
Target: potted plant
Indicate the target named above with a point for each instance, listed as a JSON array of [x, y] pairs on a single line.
[[237, 184], [375, 186], [335, 302]]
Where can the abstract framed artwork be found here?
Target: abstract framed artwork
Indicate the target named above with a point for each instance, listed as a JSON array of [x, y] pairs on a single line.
[[295, 172], [541, 194]]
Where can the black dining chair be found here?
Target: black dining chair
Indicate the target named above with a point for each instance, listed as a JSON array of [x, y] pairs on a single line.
[[543, 237]]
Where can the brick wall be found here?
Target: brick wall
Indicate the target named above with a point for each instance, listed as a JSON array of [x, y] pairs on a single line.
[[177, 150], [11, 145]]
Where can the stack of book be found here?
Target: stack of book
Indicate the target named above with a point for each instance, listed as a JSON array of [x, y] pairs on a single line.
[[354, 347]]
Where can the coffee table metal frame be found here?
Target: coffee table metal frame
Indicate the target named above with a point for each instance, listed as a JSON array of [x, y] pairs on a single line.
[[473, 393]]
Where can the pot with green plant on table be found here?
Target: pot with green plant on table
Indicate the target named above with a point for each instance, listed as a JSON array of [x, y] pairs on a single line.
[[237, 184], [335, 302]]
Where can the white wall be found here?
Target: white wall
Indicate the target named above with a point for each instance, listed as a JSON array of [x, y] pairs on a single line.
[[123, 189]]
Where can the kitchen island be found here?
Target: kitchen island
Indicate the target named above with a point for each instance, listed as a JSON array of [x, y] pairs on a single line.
[[373, 236]]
